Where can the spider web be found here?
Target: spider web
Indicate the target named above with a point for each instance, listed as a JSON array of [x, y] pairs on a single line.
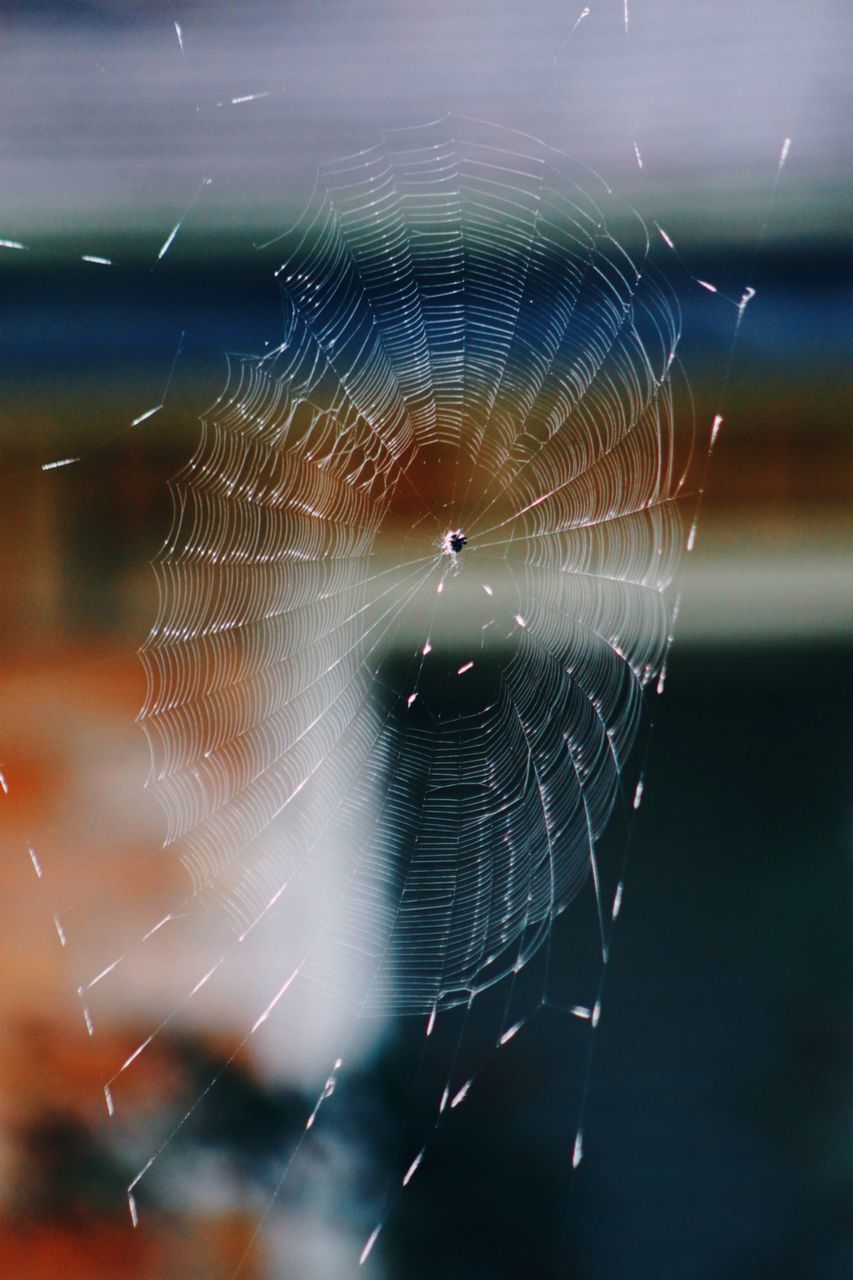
[[386, 756]]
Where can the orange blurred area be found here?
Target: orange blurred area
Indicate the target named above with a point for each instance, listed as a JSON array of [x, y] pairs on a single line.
[[172, 1247], [83, 870]]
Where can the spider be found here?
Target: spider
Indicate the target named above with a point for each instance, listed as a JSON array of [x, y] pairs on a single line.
[[453, 542]]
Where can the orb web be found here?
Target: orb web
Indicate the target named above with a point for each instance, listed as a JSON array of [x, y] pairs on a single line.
[[438, 739]]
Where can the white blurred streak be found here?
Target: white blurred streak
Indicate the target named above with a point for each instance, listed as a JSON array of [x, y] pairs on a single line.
[[510, 1034], [617, 902], [665, 236], [168, 242], [60, 462], [584, 13], [461, 1094], [254, 97], [272, 1004], [149, 413], [412, 1169], [746, 297], [371, 1241]]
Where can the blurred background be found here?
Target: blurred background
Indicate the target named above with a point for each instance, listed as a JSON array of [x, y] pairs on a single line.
[[719, 1118]]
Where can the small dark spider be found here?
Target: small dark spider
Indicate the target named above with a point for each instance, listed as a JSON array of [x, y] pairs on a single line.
[[456, 541]]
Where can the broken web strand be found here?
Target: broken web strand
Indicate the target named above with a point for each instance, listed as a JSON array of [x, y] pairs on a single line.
[[582, 16]]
